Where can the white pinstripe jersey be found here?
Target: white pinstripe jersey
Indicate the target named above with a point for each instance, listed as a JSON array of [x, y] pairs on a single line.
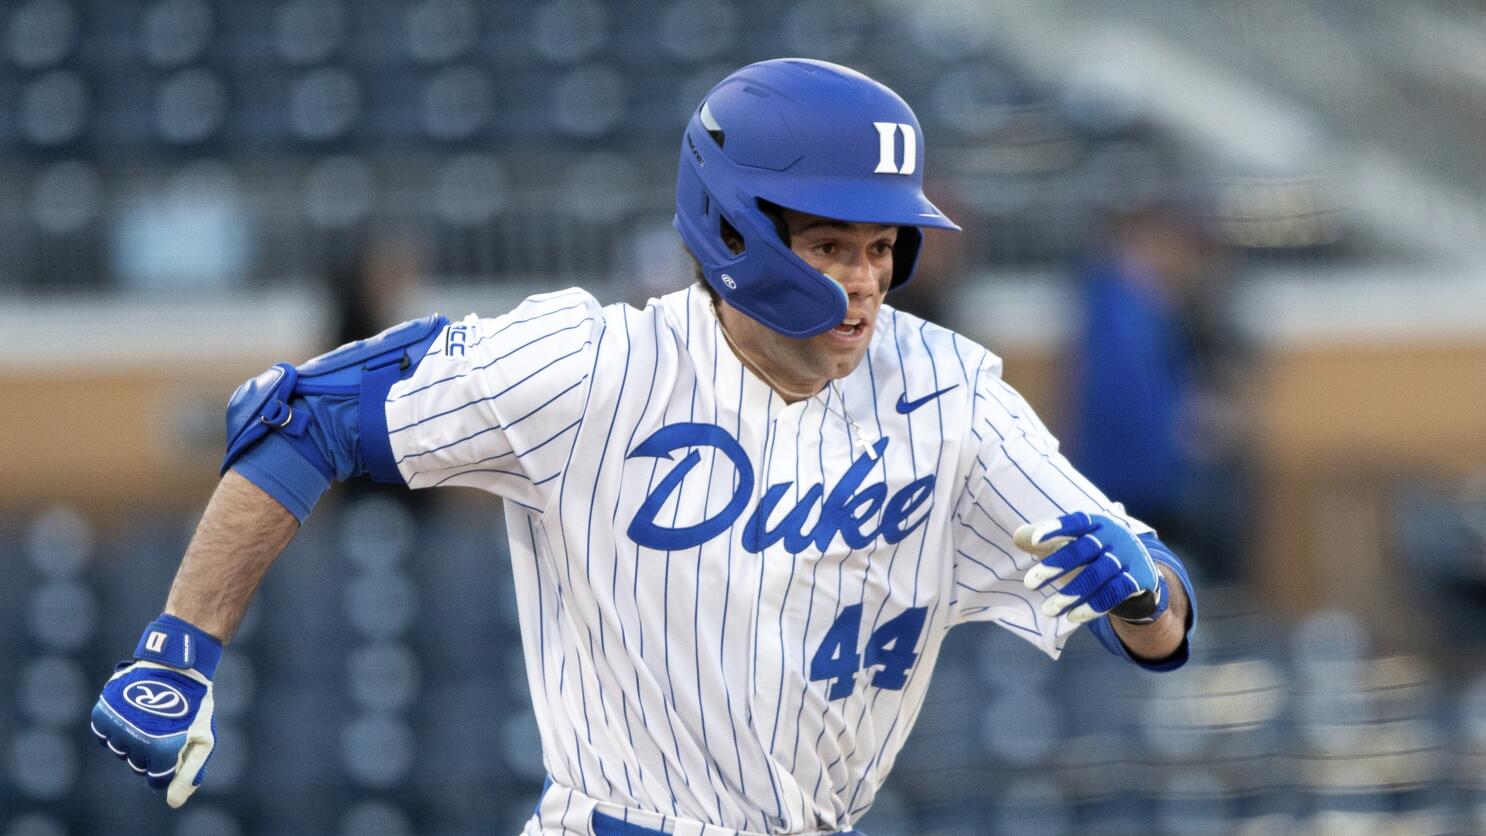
[[730, 606]]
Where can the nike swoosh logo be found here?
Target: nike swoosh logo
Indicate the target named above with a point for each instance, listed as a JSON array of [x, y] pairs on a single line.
[[906, 406]]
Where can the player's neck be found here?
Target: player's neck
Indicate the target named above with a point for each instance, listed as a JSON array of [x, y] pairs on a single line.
[[741, 336]]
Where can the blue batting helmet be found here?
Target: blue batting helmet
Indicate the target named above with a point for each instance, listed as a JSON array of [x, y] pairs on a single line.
[[804, 135]]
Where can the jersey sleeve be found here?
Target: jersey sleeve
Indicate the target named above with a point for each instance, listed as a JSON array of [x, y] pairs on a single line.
[[496, 403], [1014, 475]]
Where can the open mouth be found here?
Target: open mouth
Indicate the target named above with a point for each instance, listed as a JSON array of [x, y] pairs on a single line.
[[850, 328]]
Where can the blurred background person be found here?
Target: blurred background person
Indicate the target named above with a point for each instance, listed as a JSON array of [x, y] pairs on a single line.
[[374, 283], [1152, 370]]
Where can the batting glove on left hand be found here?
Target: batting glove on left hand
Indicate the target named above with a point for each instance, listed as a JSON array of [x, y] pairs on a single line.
[[156, 713], [1101, 568]]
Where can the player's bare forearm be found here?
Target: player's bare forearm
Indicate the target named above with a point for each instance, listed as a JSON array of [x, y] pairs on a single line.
[[240, 535], [1161, 638]]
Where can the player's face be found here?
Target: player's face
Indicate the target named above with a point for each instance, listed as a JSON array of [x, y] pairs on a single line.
[[859, 256]]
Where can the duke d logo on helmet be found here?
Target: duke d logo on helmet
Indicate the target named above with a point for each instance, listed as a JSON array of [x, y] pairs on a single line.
[[887, 135]]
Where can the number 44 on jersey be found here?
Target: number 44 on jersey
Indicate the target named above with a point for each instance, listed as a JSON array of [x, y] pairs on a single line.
[[890, 647]]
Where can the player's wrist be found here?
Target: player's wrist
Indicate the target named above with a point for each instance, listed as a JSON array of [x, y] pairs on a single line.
[[177, 643], [1145, 607]]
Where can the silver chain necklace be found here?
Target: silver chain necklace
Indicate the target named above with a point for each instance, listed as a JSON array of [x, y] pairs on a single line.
[[752, 363]]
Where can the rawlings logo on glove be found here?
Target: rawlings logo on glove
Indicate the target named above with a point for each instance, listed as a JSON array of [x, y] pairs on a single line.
[[156, 712], [157, 698], [1099, 566]]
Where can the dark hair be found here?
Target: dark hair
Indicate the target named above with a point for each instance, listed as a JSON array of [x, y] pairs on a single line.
[[701, 280]]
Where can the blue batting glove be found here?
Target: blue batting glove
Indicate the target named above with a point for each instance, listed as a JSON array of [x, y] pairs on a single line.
[[1100, 568], [156, 712]]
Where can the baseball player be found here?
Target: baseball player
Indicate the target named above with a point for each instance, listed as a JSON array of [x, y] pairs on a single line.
[[741, 520]]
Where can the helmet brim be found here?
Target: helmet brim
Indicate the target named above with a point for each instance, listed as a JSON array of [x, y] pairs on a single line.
[[855, 201]]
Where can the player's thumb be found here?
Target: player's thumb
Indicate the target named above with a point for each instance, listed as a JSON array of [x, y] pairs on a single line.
[[193, 758], [1038, 539], [200, 740]]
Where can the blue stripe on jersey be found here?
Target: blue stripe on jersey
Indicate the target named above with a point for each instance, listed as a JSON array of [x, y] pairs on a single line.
[[870, 703], [728, 592], [536, 553], [1033, 482], [665, 633], [794, 563], [862, 593], [887, 739], [588, 543], [992, 427], [497, 427], [820, 456], [871, 554], [954, 340], [727, 690], [585, 344], [1004, 500], [913, 462], [1057, 463], [1031, 630], [512, 324], [872, 382], [847, 436], [939, 412], [972, 588], [635, 600], [968, 526], [531, 508], [1015, 416], [982, 564], [825, 712], [562, 668], [538, 297], [532, 449], [597, 352], [771, 430], [965, 524], [588, 540], [466, 373], [713, 768], [614, 579], [474, 470], [583, 696]]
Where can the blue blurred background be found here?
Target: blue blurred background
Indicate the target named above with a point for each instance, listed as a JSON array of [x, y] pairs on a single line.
[[1272, 209]]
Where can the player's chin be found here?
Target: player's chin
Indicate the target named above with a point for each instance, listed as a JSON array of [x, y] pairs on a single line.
[[843, 351]]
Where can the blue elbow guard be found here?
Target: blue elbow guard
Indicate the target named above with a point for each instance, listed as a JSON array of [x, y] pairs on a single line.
[[366, 369]]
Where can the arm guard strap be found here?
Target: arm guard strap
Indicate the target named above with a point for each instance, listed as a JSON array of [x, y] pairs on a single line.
[[288, 400]]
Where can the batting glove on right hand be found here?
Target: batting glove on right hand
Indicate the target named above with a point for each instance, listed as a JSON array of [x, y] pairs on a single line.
[[156, 712], [1101, 568]]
